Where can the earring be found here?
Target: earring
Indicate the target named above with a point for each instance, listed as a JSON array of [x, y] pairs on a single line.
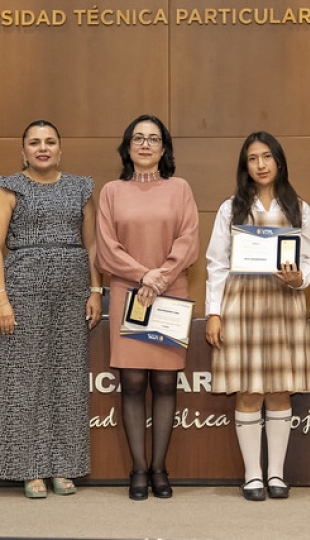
[[25, 162]]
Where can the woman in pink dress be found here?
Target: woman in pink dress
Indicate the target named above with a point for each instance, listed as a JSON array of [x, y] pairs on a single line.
[[147, 231]]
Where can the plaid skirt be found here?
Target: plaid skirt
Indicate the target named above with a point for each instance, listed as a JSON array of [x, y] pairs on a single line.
[[266, 345]]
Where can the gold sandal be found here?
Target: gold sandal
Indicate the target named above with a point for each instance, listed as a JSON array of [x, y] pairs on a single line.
[[63, 486], [33, 489]]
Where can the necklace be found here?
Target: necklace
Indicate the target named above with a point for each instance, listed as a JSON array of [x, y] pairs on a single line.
[[42, 180], [146, 177]]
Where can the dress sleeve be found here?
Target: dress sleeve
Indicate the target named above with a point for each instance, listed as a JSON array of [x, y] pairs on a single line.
[[14, 183], [185, 247], [218, 259], [111, 256], [87, 187]]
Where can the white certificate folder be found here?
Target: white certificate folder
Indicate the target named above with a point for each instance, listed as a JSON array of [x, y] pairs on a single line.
[[166, 322], [262, 250]]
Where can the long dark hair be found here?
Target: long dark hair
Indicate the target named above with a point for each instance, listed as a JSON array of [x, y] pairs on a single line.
[[40, 123], [284, 192], [166, 165]]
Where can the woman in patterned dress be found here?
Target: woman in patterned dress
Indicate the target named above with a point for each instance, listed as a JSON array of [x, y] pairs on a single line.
[[48, 224], [147, 237], [257, 323]]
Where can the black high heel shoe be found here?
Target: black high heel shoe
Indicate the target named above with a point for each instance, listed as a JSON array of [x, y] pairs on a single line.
[[138, 489], [160, 484]]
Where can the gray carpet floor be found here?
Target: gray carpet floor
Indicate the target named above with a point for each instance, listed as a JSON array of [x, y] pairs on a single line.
[[193, 513]]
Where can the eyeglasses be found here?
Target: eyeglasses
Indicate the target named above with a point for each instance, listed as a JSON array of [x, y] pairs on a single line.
[[153, 141]]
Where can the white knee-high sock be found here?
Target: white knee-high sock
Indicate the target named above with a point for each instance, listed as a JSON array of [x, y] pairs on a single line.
[[278, 429], [249, 433]]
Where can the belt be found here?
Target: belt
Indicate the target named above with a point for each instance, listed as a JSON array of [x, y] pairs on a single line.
[[48, 245]]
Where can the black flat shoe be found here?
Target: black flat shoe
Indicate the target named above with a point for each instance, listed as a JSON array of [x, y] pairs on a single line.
[[277, 492], [138, 485], [160, 484], [255, 494]]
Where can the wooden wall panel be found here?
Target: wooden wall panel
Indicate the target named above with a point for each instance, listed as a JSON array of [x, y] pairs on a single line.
[[229, 80], [95, 157], [209, 165], [297, 150], [10, 156], [89, 80], [198, 274]]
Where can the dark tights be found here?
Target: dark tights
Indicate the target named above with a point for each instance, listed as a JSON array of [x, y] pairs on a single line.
[[134, 385]]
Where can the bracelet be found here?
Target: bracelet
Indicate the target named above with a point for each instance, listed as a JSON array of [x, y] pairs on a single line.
[[212, 315], [2, 290], [3, 303], [96, 289]]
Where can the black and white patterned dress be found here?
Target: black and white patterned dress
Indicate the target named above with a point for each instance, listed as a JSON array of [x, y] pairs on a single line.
[[44, 424]]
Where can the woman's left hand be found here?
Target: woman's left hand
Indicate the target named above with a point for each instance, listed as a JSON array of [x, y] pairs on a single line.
[[290, 275], [93, 309]]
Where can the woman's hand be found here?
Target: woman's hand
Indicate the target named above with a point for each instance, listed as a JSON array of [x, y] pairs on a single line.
[[290, 274], [146, 296], [214, 331], [93, 309], [155, 280], [7, 319]]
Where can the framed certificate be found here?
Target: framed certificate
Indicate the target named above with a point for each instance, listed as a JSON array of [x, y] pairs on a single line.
[[261, 250], [166, 322]]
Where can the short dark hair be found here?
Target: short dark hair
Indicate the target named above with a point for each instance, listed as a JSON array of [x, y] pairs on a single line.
[[284, 192], [41, 123], [166, 165]]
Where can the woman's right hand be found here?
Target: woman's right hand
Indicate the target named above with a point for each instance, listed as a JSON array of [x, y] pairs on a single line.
[[7, 319], [156, 280], [214, 331]]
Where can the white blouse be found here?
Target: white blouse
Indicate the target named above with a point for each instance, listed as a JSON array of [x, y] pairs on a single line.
[[218, 252]]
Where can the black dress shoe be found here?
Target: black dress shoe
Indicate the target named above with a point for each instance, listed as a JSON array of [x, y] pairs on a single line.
[[139, 485], [160, 484], [255, 494], [277, 492]]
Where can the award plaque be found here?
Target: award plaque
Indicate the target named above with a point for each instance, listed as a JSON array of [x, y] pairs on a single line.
[[288, 250], [137, 314]]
